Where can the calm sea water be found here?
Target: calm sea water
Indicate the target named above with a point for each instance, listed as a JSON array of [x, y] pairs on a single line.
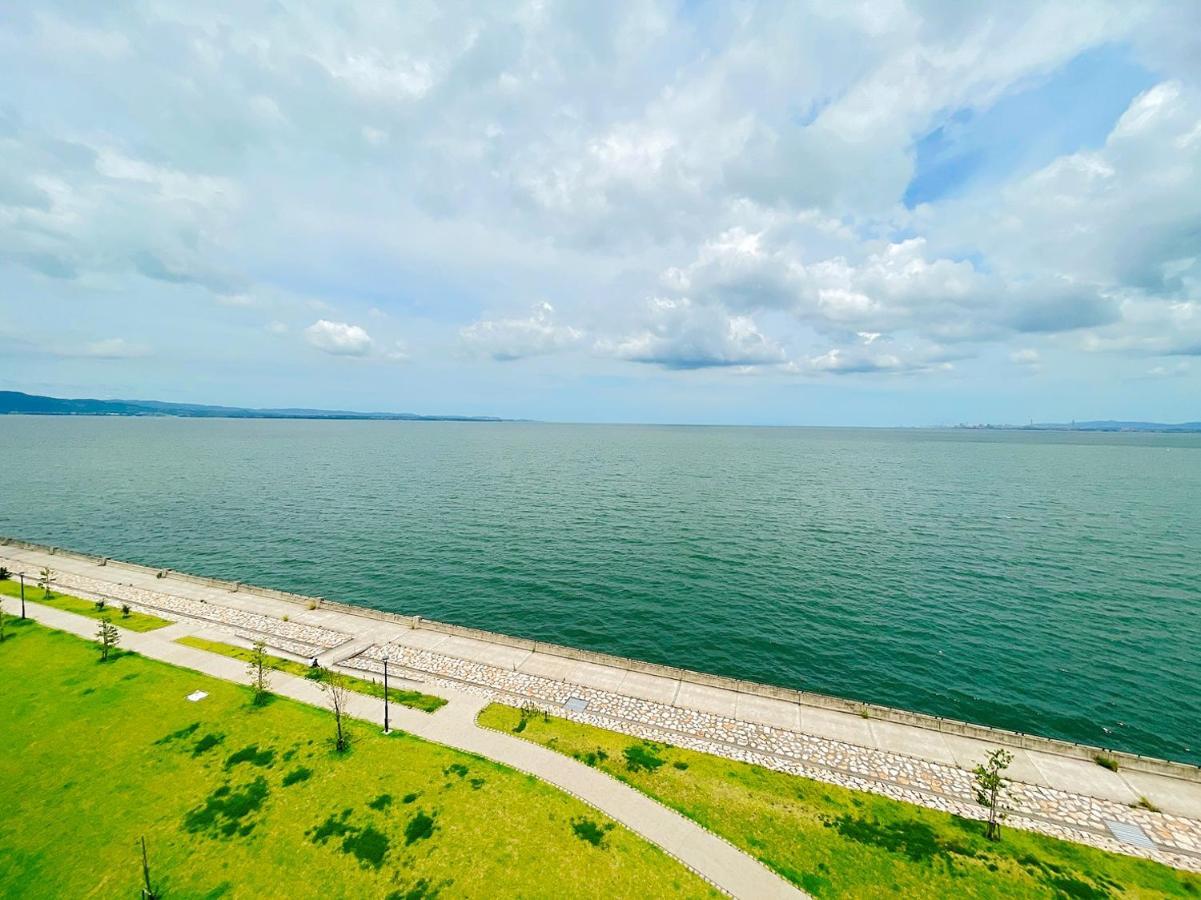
[[1040, 582]]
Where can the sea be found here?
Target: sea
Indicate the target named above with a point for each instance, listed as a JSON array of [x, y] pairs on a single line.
[[1042, 582]]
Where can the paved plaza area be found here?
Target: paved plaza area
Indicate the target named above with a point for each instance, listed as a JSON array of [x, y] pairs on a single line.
[[1053, 794]]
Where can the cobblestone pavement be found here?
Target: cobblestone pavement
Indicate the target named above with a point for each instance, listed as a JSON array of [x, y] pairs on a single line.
[[291, 636], [948, 788], [927, 783]]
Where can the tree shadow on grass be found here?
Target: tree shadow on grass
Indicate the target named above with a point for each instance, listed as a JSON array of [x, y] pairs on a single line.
[[916, 841], [920, 842], [264, 759], [226, 810], [368, 845]]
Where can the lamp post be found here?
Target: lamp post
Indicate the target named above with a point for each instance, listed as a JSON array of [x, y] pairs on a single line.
[[22, 576], [387, 730]]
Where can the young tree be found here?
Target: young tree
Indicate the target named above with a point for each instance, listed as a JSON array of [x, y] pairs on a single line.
[[107, 638], [259, 671], [46, 581], [337, 692], [990, 789]]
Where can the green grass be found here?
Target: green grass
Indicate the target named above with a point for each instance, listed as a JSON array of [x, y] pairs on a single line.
[[415, 699], [1106, 762], [237, 800], [135, 621], [834, 842]]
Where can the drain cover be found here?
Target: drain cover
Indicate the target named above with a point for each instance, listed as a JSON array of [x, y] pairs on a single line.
[[576, 704], [1130, 834]]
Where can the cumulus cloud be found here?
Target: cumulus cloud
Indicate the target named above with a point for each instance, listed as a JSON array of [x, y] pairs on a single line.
[[873, 354], [893, 287], [697, 187], [1126, 213], [338, 338], [516, 338], [682, 335]]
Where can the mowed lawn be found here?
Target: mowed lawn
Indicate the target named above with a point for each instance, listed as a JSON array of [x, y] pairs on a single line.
[[834, 842], [135, 621], [242, 801], [413, 699]]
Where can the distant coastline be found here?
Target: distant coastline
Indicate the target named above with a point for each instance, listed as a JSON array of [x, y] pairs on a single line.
[[1098, 425], [17, 403]]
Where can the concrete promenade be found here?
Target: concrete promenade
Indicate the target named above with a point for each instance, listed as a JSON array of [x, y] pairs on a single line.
[[1059, 794]]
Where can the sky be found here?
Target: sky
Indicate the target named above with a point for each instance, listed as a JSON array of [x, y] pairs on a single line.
[[801, 213]]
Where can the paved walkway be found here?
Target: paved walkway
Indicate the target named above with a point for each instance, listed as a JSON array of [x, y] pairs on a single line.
[[1058, 795], [715, 860]]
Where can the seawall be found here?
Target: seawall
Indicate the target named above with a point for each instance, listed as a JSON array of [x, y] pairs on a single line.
[[1129, 761]]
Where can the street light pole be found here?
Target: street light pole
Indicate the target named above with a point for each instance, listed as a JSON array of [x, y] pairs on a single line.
[[387, 730], [22, 575]]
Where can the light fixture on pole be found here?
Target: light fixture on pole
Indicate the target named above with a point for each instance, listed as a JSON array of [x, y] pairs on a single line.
[[387, 730]]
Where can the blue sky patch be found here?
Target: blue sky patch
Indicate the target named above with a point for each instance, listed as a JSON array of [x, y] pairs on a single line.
[[1074, 108]]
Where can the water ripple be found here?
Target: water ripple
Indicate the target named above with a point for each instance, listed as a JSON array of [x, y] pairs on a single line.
[[1040, 582]]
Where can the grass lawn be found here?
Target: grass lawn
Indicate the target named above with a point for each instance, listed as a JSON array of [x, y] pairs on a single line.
[[135, 621], [834, 842], [415, 699], [236, 800]]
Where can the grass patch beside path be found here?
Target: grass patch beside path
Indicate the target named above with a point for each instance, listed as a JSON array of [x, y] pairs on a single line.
[[835, 842], [135, 621], [237, 800], [415, 699]]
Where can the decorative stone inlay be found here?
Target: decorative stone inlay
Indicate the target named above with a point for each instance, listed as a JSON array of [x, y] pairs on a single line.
[[1061, 814], [172, 605], [935, 785]]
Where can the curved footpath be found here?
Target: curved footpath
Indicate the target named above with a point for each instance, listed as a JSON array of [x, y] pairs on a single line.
[[715, 860], [1061, 794]]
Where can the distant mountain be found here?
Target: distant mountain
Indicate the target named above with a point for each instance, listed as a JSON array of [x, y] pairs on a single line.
[[15, 402], [1099, 425]]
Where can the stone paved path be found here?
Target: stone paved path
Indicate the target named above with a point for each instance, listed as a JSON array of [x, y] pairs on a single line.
[[1038, 808], [715, 860], [1056, 795]]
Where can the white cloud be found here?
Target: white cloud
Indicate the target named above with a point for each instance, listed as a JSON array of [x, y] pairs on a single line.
[[1026, 357], [890, 288], [338, 338], [106, 348], [115, 348], [743, 165], [1119, 223], [876, 358], [679, 334], [61, 36], [1178, 369], [516, 338]]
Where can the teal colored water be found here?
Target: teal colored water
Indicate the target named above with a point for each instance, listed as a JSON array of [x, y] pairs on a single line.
[[1040, 582]]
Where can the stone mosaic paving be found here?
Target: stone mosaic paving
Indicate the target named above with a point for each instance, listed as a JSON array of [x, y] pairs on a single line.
[[1045, 810], [304, 637], [948, 788]]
